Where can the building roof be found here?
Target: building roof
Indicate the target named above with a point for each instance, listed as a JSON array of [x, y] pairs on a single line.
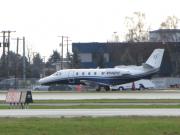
[[165, 30]]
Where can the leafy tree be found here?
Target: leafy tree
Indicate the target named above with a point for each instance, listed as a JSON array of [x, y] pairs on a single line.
[[15, 65], [137, 31], [55, 57], [12, 63], [37, 66], [69, 58]]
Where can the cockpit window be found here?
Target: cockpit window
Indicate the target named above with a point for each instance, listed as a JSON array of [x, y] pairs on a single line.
[[57, 73]]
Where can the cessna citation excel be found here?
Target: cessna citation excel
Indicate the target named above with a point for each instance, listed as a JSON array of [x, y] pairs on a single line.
[[106, 77]]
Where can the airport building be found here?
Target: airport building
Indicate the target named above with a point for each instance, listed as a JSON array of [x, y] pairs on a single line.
[[110, 54], [165, 35]]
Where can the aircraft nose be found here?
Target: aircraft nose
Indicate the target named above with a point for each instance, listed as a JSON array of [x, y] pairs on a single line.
[[43, 81]]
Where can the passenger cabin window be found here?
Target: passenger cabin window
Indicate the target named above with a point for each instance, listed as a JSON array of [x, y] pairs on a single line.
[[95, 73], [102, 73], [56, 73], [89, 73], [76, 73], [82, 73]]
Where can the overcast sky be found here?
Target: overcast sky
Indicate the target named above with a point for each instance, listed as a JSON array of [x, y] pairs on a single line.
[[41, 21]]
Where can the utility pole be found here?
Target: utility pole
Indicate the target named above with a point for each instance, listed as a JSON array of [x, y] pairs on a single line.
[[17, 52], [44, 65], [17, 48], [3, 49], [16, 74], [67, 43], [62, 52], [8, 46], [62, 47], [6, 43], [24, 60], [67, 53]]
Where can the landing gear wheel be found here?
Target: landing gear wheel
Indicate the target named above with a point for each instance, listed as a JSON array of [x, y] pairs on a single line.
[[98, 89], [141, 87], [107, 88]]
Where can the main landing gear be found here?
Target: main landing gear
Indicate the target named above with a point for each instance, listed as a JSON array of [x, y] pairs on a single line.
[[106, 88]]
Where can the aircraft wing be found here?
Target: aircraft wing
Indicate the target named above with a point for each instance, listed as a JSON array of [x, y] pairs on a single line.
[[93, 83]]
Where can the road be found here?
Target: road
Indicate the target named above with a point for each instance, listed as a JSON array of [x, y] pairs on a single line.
[[55, 113]]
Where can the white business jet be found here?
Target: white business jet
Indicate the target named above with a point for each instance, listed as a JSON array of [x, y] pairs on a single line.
[[107, 76]]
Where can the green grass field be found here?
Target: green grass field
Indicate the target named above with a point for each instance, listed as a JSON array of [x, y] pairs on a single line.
[[111, 101], [91, 126], [2, 106], [108, 101]]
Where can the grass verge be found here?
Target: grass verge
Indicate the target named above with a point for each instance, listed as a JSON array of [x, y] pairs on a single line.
[[91, 126], [111, 101], [97, 107]]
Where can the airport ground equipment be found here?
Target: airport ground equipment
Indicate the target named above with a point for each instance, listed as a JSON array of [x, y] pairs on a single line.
[[19, 99]]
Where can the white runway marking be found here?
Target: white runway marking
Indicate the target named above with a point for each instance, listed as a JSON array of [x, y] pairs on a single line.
[[88, 112]]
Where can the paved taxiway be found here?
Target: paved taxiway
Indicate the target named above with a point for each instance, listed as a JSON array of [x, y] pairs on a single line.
[[102, 104], [106, 95], [88, 112], [99, 104]]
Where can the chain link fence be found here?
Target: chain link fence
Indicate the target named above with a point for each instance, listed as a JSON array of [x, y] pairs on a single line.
[[17, 83]]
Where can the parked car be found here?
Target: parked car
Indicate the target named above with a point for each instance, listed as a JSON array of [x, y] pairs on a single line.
[[8, 83], [40, 87], [138, 85], [59, 87]]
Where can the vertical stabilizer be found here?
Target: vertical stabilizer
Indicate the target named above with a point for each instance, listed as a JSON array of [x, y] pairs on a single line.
[[155, 59]]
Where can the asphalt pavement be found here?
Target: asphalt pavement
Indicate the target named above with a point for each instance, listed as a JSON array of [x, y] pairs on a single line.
[[55, 113], [171, 94]]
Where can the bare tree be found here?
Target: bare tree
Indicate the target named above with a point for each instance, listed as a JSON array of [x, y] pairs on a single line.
[[136, 28], [171, 22]]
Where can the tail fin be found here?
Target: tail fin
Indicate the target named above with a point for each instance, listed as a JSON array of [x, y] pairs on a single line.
[[155, 59]]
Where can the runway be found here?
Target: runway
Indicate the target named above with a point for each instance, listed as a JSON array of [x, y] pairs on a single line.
[[56, 113], [109, 95], [103, 104]]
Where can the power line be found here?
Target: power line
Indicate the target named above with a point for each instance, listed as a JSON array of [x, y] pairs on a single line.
[[6, 44], [62, 47]]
